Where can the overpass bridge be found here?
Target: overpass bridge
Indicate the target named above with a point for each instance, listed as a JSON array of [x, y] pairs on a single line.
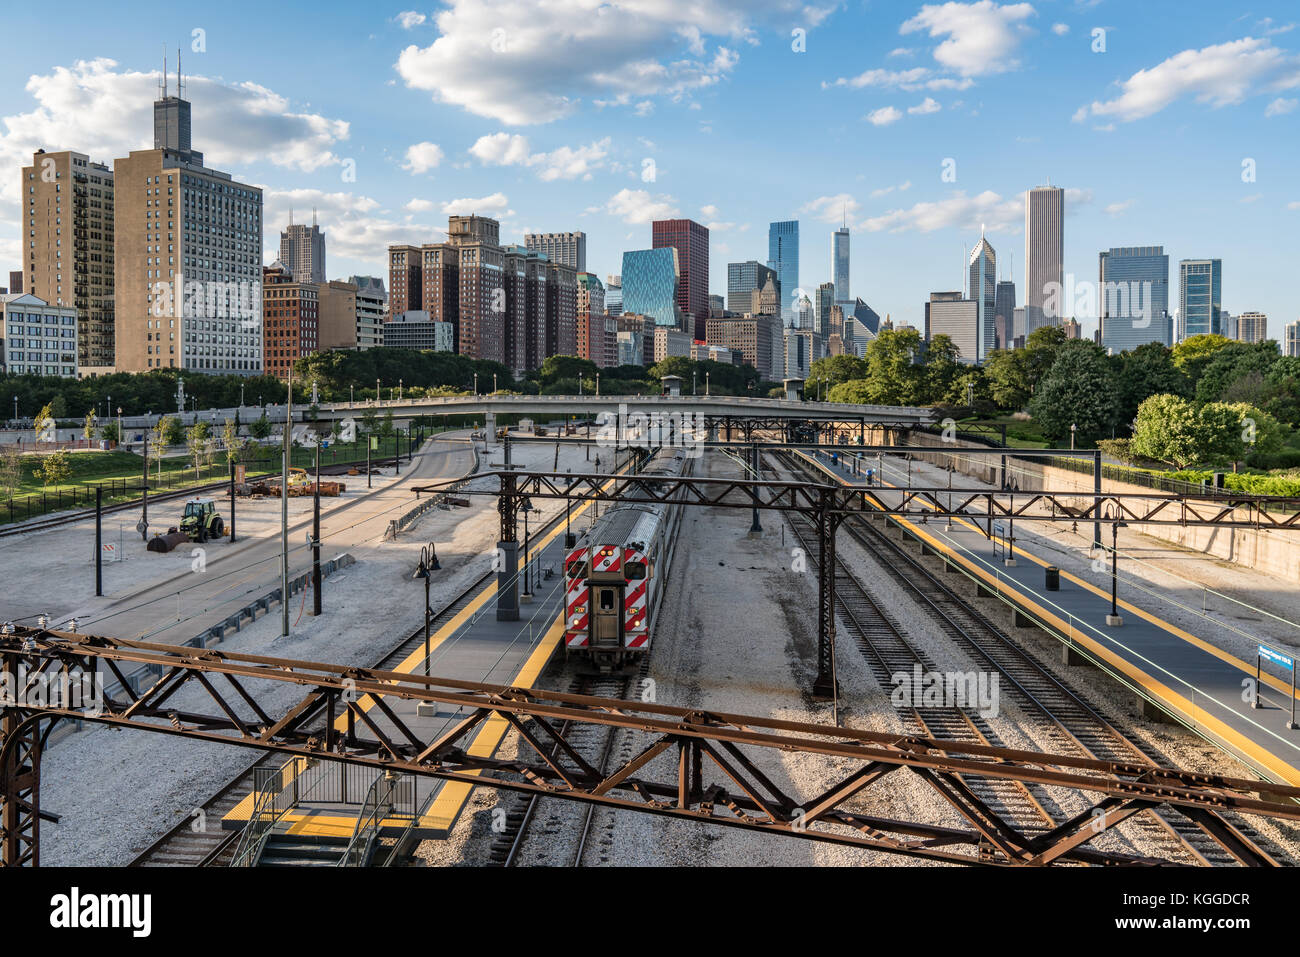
[[716, 409]]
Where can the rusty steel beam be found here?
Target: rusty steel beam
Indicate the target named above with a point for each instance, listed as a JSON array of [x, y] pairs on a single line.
[[714, 778], [1135, 508]]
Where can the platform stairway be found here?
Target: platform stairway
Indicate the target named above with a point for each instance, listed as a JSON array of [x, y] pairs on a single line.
[[289, 797]]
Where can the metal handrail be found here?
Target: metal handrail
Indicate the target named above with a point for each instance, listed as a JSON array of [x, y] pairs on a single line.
[[381, 802], [268, 812]]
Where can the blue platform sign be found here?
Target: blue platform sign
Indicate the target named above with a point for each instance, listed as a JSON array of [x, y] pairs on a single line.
[[1268, 654]]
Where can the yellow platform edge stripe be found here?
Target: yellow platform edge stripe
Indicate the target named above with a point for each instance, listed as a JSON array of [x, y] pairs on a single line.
[[1264, 759]]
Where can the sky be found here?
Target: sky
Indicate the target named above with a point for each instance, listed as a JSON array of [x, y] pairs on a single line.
[[1168, 123]]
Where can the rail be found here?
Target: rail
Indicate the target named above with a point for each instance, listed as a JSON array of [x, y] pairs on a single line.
[[271, 807], [391, 795]]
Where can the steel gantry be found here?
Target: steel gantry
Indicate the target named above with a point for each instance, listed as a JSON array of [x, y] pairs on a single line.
[[826, 505], [686, 763]]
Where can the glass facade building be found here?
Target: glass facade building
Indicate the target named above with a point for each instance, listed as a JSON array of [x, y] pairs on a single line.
[[1133, 297], [691, 240], [1200, 297], [650, 278], [783, 256], [840, 261], [983, 290], [742, 280]]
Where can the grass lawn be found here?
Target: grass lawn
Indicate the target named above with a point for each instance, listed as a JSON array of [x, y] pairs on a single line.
[[1021, 433]]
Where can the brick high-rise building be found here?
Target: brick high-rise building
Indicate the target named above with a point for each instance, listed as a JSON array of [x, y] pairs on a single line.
[[691, 240], [290, 318], [187, 257], [758, 338], [15, 283], [67, 232], [506, 304]]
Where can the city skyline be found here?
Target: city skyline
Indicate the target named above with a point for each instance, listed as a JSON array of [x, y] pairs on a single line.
[[895, 95]]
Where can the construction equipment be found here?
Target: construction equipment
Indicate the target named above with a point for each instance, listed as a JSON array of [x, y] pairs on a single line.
[[201, 521], [165, 543]]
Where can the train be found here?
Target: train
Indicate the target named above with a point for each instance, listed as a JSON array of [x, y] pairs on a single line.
[[614, 575]]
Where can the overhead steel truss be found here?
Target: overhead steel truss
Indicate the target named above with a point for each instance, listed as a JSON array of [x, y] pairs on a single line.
[[688, 764]]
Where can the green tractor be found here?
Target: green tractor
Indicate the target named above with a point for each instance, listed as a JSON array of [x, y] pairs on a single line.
[[201, 521]]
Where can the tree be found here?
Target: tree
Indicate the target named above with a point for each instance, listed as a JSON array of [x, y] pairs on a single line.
[[369, 421], [1078, 390], [386, 429], [855, 391], [260, 427], [88, 428], [1146, 371], [55, 469], [161, 437], [45, 424], [111, 432], [893, 374], [942, 370], [234, 444], [11, 469], [1194, 353], [565, 367], [1231, 363], [1168, 429], [1235, 430], [832, 370], [1007, 373]]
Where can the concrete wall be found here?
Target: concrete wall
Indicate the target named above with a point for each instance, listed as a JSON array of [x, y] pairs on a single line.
[[1274, 552]]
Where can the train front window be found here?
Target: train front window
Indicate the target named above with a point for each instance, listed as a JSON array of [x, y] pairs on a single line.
[[577, 569], [607, 599], [635, 571]]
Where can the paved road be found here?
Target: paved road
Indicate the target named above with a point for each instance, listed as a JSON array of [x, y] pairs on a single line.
[[236, 574]]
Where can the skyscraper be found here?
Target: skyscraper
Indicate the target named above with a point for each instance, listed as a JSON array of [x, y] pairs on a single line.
[[1200, 297], [1004, 313], [825, 301], [983, 267], [1044, 253], [302, 251], [691, 240], [1134, 297], [783, 256], [650, 284], [613, 294], [68, 245], [948, 314], [186, 256], [1252, 327], [1291, 344], [567, 248], [742, 280], [840, 262]]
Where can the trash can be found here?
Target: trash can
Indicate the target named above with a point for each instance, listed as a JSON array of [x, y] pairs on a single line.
[[1053, 578]]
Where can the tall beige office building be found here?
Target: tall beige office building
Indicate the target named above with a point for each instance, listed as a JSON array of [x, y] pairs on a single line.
[[1044, 253], [1252, 327], [187, 256], [67, 235]]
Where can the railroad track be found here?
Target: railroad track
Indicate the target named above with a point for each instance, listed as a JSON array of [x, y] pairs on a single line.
[[184, 845], [1070, 724], [529, 814]]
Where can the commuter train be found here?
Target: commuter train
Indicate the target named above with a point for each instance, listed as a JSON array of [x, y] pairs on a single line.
[[614, 577]]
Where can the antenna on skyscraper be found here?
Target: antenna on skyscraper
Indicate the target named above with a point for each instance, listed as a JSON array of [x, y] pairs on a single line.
[[313, 217], [180, 80], [162, 80]]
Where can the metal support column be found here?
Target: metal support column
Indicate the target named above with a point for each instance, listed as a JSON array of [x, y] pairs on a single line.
[[825, 686], [315, 540], [1096, 488], [99, 541]]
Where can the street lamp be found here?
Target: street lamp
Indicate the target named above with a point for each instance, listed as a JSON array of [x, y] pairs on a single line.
[[352, 395], [526, 506], [706, 383], [1114, 620], [476, 383], [695, 373], [1072, 428], [598, 385], [428, 565], [119, 425], [494, 382], [399, 389]]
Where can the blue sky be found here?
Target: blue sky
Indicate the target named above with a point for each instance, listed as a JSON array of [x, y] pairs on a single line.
[[549, 115]]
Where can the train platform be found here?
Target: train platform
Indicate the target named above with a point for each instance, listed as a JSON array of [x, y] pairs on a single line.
[[1176, 674], [472, 646]]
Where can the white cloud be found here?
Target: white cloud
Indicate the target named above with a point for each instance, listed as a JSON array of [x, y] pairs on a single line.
[[958, 211], [886, 190], [419, 206], [1114, 209], [355, 226], [832, 209], [1280, 107], [928, 105], [97, 109], [565, 162], [638, 206], [1252, 198], [884, 116], [1219, 75], [468, 206], [644, 108], [916, 78], [523, 62], [422, 157], [1293, 206], [1060, 29], [902, 51], [410, 19], [980, 37]]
